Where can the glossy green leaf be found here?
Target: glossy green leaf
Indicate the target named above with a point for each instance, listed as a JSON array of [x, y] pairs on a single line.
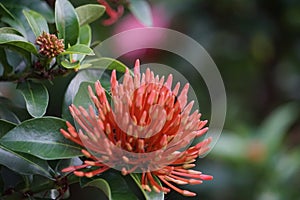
[[37, 22], [118, 186], [11, 20], [36, 97], [85, 35], [36, 5], [7, 114], [142, 11], [5, 126], [79, 49], [89, 13], [148, 195], [17, 41], [7, 68], [85, 38], [276, 125], [90, 75], [17, 56], [10, 30], [41, 137], [107, 63], [68, 65], [98, 183], [66, 21], [82, 97], [5, 12], [23, 163]]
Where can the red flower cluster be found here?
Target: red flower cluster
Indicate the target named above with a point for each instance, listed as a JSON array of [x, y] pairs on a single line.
[[114, 15], [147, 129]]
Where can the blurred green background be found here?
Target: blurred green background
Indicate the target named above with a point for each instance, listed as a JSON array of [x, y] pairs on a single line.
[[256, 46]]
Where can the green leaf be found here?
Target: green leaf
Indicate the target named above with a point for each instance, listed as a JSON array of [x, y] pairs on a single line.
[[41, 137], [276, 125], [10, 30], [17, 41], [7, 68], [5, 127], [118, 186], [37, 5], [66, 21], [11, 20], [148, 195], [7, 114], [23, 163], [113, 184], [85, 35], [85, 38], [17, 56], [81, 76], [107, 63], [142, 11], [89, 13], [82, 97], [79, 49], [36, 97], [98, 183], [37, 22], [68, 65]]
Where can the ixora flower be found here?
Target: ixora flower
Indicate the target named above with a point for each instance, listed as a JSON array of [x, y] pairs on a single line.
[[50, 45], [147, 129]]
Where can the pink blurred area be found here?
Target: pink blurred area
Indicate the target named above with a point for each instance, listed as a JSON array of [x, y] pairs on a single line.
[[159, 18]]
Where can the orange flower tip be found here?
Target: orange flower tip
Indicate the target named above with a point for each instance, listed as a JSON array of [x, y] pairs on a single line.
[[90, 163], [206, 177], [137, 63], [166, 190], [156, 189], [146, 187], [69, 124], [164, 140], [65, 133], [68, 169], [72, 133], [180, 182], [86, 153], [188, 166], [190, 171], [188, 160], [188, 193], [167, 178], [89, 174], [195, 181], [124, 171], [90, 90], [79, 173], [125, 159], [105, 158]]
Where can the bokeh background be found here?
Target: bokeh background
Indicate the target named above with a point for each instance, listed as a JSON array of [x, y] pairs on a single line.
[[256, 46]]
